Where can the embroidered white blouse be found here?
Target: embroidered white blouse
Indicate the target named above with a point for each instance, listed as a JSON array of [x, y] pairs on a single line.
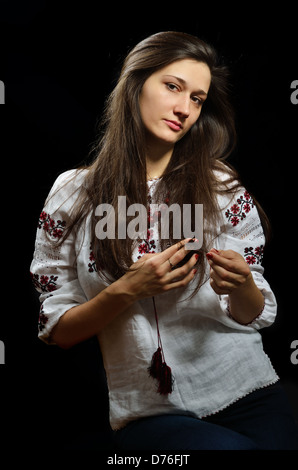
[[215, 360]]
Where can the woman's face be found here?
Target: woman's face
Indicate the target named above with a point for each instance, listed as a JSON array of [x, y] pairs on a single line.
[[171, 100]]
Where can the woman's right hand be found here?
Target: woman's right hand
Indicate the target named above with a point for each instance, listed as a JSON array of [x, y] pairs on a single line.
[[153, 273], [150, 275]]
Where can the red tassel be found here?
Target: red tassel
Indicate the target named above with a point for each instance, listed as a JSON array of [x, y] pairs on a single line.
[[162, 372], [166, 380], [156, 365]]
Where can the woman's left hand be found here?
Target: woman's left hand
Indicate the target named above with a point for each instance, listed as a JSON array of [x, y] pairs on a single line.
[[228, 271], [230, 274]]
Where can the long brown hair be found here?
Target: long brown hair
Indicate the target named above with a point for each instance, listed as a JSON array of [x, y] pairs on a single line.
[[119, 162]]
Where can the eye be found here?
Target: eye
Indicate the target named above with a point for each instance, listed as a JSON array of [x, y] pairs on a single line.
[[172, 87], [197, 100]]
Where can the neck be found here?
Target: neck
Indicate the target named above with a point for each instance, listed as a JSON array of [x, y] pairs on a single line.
[[157, 160]]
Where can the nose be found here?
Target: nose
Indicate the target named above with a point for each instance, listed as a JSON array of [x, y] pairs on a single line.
[[182, 107]]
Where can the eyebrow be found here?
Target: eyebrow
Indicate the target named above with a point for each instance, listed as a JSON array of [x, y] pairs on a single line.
[[183, 82]]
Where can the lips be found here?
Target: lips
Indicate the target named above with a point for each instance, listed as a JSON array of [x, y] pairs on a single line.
[[175, 125]]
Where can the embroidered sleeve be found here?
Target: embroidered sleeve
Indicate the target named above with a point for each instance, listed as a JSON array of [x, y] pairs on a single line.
[[53, 268], [242, 232]]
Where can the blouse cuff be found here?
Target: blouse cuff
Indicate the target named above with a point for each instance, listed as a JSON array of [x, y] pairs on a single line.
[[244, 324]]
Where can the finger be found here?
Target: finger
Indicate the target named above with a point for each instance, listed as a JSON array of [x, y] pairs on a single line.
[[182, 256], [172, 250], [222, 273], [172, 266], [229, 254], [226, 279], [229, 260], [217, 258], [184, 270], [219, 290], [182, 282], [220, 285]]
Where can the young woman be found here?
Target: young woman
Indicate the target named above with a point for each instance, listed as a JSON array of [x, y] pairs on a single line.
[[178, 328]]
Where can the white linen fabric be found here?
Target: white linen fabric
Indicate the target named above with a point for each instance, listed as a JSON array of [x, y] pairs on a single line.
[[214, 360]]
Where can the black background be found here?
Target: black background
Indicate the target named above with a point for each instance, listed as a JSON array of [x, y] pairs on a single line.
[[58, 62]]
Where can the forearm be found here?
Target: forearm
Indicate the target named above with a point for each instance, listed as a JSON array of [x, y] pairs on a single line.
[[246, 302], [88, 319]]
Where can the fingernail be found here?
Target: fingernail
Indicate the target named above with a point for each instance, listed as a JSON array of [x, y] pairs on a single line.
[[209, 255], [195, 271], [197, 256]]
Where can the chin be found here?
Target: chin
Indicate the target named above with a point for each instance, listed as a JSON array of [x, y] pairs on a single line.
[[165, 139], [170, 139]]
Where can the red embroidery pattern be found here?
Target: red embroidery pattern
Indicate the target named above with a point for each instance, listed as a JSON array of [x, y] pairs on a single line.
[[42, 320], [254, 255], [53, 228], [92, 266], [44, 283], [238, 211], [149, 244]]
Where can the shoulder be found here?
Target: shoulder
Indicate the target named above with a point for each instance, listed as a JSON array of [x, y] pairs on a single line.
[[66, 189], [234, 200], [227, 185], [225, 175], [70, 179]]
